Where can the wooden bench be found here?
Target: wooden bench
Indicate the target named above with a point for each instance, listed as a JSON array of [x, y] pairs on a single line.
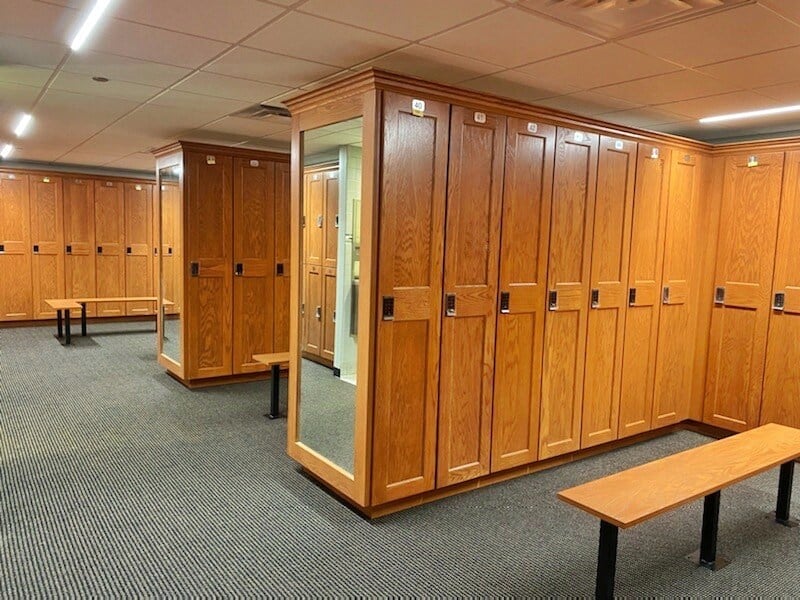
[[63, 306], [274, 361], [68, 304], [641, 493]]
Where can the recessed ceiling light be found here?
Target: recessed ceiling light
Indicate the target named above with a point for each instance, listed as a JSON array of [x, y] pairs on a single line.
[[6, 151], [91, 20], [22, 125], [752, 114], [100, 79]]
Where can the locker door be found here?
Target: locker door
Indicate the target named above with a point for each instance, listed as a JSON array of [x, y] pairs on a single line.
[[109, 214], [138, 247], [79, 241], [328, 312], [312, 310], [568, 275], [676, 326], [523, 289], [209, 253], [743, 284], [254, 248], [616, 171], [410, 253], [331, 219], [47, 238], [16, 286], [155, 228], [644, 291], [472, 252], [169, 247], [779, 401], [314, 218], [280, 316]]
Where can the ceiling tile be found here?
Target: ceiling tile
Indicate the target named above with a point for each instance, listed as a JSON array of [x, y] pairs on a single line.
[[165, 121], [720, 104], [741, 31], [410, 19], [221, 86], [153, 44], [84, 84], [586, 103], [320, 40], [517, 85], [269, 68], [120, 138], [15, 99], [228, 21], [247, 127], [39, 20], [790, 10], [671, 87], [646, 117], [433, 64], [24, 75], [786, 93], [512, 37], [203, 136], [206, 104], [598, 66], [23, 51], [771, 68], [137, 162], [78, 157], [124, 69]]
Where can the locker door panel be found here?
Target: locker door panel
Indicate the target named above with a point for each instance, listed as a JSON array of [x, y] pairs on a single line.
[[79, 241], [745, 260], [16, 285], [410, 263], [169, 247], [280, 326], [472, 248], [609, 296], [314, 214], [330, 223], [644, 293], [328, 313], [571, 227], [523, 277], [254, 248], [312, 310], [47, 239], [109, 212], [138, 247]]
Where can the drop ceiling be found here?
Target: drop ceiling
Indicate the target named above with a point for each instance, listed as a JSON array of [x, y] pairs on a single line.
[[181, 69]]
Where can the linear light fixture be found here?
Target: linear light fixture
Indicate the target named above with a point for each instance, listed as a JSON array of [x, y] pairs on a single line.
[[6, 151], [94, 16], [752, 113], [22, 125]]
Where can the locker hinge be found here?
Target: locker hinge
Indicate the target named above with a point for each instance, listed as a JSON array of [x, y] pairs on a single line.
[[665, 295], [318, 313], [388, 308], [99, 249], [195, 269], [552, 300], [319, 221], [631, 296], [505, 300], [239, 270], [779, 301], [128, 250], [595, 298], [450, 305], [69, 249], [36, 248], [279, 269], [719, 295]]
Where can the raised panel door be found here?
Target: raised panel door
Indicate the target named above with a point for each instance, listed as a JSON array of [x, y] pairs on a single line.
[[109, 214], [312, 310], [328, 312], [138, 247], [331, 219], [314, 218], [282, 268], [170, 247], [79, 241], [47, 239], [16, 286]]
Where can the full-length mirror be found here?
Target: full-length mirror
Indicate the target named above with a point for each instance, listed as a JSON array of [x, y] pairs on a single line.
[[331, 200], [170, 250]]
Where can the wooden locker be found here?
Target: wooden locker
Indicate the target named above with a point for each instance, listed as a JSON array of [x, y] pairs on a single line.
[[672, 389], [209, 254], [780, 400], [16, 285], [109, 214], [331, 219], [472, 250], [644, 290], [79, 262], [253, 257], [569, 272], [138, 246], [314, 218], [312, 309], [47, 238], [410, 262], [524, 242], [616, 172], [283, 230], [751, 199], [328, 312]]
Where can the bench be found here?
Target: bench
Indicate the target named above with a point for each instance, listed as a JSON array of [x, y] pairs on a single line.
[[63, 306], [274, 361], [641, 493], [67, 304]]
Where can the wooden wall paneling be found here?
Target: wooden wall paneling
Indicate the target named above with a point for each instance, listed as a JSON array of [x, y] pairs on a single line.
[[644, 289], [109, 215], [254, 252], [209, 253], [780, 401], [472, 251], [569, 271], [745, 260], [16, 286], [328, 312], [411, 206], [282, 267], [616, 174], [314, 211], [312, 310], [47, 240], [331, 219], [79, 240], [139, 247], [528, 187]]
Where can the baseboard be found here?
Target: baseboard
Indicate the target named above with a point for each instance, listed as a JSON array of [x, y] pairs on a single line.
[[194, 384]]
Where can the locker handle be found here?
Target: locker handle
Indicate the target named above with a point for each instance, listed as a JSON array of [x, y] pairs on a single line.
[[334, 317], [552, 300], [505, 300], [779, 301], [388, 308], [318, 313], [36, 248], [279, 269], [631, 296], [336, 221], [319, 221], [69, 249], [302, 308], [665, 295], [595, 298], [99, 249], [239, 269], [128, 250], [719, 295], [169, 250], [450, 305], [2, 247], [155, 251], [195, 268]]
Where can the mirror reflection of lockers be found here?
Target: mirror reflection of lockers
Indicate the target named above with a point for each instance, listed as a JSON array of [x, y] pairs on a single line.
[[169, 252]]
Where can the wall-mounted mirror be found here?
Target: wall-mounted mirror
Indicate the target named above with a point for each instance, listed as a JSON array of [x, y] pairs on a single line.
[[329, 271], [169, 250]]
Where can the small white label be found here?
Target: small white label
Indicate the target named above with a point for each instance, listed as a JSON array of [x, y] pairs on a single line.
[[79, 181], [533, 128], [12, 176], [618, 145], [654, 153], [138, 188], [211, 160], [418, 107], [332, 175], [315, 177], [578, 136], [46, 180], [480, 117], [163, 188], [109, 184], [254, 163], [687, 158], [752, 161]]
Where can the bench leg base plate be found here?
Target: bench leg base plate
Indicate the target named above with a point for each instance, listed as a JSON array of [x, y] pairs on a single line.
[[720, 562], [784, 522]]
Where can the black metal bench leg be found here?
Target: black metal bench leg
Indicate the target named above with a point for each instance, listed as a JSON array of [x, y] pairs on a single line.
[[274, 412], [606, 560], [59, 326], [83, 319], [708, 541], [66, 323], [783, 508]]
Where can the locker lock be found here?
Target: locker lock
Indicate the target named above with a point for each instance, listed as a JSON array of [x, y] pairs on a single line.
[[279, 269], [169, 250], [779, 301], [318, 313], [239, 270], [69, 249], [632, 296], [450, 305], [388, 308], [505, 300], [595, 298], [36, 248], [128, 250], [2, 247], [99, 249], [665, 295], [552, 300], [719, 295], [195, 269]]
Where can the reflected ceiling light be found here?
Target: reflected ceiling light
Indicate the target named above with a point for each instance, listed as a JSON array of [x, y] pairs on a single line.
[[22, 125], [752, 113], [94, 16], [6, 151]]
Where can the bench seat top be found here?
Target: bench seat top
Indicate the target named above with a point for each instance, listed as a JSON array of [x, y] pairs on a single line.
[[63, 304], [630, 497], [122, 299], [276, 358]]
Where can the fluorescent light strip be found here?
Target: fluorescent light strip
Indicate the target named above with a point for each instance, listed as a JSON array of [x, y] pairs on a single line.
[[752, 113], [6, 151], [22, 125], [89, 23]]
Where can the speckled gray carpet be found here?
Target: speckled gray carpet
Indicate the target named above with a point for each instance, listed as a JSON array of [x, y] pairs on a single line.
[[118, 482]]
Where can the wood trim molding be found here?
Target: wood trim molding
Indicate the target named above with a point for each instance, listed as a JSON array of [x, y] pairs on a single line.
[[227, 150], [77, 175]]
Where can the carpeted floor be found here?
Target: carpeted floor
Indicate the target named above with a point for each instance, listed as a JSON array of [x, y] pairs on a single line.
[[116, 481]]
